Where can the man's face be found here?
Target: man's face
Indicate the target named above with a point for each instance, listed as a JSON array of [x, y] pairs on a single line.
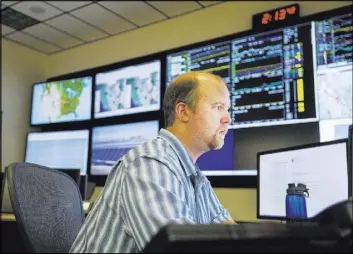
[[210, 119]]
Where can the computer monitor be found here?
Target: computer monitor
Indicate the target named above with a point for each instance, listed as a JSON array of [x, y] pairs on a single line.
[[269, 75], [110, 143], [214, 58], [61, 101], [128, 90], [299, 182], [272, 82], [333, 48], [334, 129], [59, 149], [334, 41]]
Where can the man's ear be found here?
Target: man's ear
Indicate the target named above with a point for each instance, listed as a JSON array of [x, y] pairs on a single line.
[[182, 112]]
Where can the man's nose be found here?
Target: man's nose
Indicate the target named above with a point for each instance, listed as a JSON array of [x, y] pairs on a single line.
[[226, 119]]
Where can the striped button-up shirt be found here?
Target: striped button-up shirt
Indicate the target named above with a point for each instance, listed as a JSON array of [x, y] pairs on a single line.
[[152, 185]]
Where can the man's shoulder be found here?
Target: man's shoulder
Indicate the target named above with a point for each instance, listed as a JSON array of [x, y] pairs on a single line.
[[156, 149]]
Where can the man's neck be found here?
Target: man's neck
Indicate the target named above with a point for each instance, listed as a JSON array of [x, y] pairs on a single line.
[[187, 141]]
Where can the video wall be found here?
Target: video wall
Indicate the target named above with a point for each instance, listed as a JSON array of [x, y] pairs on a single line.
[[298, 75]]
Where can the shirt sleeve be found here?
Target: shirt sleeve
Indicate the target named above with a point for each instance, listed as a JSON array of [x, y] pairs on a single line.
[[218, 212], [152, 197]]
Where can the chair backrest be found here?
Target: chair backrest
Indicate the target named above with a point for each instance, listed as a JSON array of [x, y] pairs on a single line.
[[47, 205]]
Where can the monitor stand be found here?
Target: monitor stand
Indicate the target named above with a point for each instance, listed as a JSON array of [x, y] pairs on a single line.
[[89, 190]]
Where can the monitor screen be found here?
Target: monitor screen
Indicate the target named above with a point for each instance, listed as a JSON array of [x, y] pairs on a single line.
[[334, 129], [214, 58], [300, 182], [269, 75], [272, 80], [210, 162], [61, 101], [129, 90], [59, 149], [334, 41], [110, 143]]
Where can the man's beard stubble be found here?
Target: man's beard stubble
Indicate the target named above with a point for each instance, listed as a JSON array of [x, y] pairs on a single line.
[[216, 143]]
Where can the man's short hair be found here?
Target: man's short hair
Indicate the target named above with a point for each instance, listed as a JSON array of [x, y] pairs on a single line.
[[179, 90]]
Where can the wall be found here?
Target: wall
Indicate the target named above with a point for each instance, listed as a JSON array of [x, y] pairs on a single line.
[[219, 20], [225, 18], [20, 68]]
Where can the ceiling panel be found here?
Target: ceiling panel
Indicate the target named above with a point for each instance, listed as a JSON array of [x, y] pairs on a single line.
[[209, 3], [32, 9], [8, 2], [6, 29], [174, 8], [33, 42], [69, 5], [52, 35], [76, 28], [104, 19], [65, 24], [139, 13]]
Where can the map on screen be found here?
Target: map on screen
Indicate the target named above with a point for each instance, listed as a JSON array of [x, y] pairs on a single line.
[[62, 101], [129, 90]]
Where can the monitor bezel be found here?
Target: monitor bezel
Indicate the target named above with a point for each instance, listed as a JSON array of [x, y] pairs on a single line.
[[61, 123], [287, 149], [350, 160], [61, 130]]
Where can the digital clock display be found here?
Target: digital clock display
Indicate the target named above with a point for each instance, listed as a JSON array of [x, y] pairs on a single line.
[[277, 17]]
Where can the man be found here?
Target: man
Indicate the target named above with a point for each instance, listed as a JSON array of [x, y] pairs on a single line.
[[158, 182]]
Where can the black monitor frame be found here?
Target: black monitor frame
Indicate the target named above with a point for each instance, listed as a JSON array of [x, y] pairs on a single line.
[[75, 174], [350, 159], [294, 148]]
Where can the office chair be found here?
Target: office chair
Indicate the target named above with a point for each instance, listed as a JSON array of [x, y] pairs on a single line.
[[47, 205]]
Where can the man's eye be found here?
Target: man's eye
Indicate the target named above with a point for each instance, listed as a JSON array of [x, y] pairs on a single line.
[[219, 107]]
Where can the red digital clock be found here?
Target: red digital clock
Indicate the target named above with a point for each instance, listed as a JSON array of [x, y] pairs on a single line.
[[286, 15]]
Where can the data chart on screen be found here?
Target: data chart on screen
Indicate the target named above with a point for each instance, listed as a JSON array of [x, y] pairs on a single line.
[[334, 41], [272, 82]]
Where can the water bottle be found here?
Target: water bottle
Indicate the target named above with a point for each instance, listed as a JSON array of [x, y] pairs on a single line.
[[296, 201]]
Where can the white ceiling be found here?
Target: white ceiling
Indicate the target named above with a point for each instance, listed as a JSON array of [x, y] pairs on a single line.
[[66, 24]]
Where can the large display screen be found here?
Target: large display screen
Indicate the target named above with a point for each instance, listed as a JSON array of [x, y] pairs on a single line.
[[61, 101], [110, 143], [334, 42], [129, 90], [269, 75]]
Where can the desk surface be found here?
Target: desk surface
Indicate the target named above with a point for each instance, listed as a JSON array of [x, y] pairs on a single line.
[[7, 217], [97, 191]]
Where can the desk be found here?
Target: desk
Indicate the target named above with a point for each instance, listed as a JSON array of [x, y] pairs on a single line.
[[7, 217]]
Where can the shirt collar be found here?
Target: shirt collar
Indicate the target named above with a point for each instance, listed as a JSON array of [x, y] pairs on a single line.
[[189, 166]]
